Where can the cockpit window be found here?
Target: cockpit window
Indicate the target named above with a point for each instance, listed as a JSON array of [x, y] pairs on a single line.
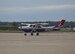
[[32, 25]]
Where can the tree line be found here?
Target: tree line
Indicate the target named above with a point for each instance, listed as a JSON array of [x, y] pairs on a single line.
[[14, 25]]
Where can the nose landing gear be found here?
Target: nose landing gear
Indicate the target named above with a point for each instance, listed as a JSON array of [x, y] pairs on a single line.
[[25, 34]]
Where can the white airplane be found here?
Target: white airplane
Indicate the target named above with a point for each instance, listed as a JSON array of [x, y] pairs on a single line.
[[39, 28]]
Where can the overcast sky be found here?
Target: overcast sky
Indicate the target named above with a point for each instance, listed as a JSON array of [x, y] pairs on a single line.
[[37, 10]]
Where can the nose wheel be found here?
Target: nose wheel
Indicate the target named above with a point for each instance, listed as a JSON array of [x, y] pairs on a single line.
[[25, 34]]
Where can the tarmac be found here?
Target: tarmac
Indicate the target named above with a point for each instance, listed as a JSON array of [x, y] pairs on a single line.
[[45, 43]]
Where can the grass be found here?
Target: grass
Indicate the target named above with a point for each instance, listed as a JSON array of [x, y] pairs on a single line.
[[10, 31]]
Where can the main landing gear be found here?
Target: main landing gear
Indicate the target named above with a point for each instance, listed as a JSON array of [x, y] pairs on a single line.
[[37, 33], [32, 34]]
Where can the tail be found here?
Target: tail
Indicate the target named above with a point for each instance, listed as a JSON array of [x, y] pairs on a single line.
[[60, 24]]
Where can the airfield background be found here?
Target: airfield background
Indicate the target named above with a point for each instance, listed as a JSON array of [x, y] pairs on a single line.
[[14, 25]]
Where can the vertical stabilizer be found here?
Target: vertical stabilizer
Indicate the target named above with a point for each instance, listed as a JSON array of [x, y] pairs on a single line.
[[60, 24]]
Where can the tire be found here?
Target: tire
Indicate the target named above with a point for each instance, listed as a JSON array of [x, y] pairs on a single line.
[[25, 34], [31, 34], [37, 34]]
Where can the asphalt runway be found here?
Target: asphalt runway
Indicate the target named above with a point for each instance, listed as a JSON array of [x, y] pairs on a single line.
[[45, 43]]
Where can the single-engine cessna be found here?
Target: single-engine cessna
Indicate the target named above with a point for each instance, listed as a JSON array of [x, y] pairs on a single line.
[[36, 28]]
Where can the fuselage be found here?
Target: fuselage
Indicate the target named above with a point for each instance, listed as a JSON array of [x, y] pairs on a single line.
[[34, 27]]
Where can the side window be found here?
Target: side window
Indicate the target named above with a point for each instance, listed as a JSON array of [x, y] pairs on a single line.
[[39, 26], [30, 25], [25, 25]]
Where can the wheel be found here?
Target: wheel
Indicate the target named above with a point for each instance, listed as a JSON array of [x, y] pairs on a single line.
[[25, 34], [31, 34], [37, 33]]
